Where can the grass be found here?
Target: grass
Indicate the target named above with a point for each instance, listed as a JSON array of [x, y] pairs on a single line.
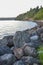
[[40, 55]]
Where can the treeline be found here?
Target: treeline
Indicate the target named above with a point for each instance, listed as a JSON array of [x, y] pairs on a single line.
[[7, 18], [33, 14]]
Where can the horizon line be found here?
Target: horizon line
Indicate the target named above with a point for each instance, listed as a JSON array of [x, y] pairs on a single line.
[[7, 18]]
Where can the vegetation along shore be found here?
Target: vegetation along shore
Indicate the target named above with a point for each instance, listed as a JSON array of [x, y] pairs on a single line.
[[32, 14]]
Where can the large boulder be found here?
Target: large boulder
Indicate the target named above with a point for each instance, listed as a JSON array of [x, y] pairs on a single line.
[[7, 40], [26, 36], [3, 41], [18, 63], [7, 59], [29, 60], [4, 50], [30, 51], [20, 38], [18, 52]]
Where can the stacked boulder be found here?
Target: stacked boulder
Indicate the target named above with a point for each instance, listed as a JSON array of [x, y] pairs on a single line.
[[20, 49]]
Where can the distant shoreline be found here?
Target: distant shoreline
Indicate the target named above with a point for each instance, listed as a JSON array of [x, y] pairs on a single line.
[[10, 18]]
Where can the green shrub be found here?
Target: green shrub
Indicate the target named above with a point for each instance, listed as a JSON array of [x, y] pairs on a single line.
[[40, 55]]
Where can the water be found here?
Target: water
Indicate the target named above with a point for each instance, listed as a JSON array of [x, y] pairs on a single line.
[[9, 27]]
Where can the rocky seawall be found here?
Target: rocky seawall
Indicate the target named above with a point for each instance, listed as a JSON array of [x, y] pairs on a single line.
[[21, 48]]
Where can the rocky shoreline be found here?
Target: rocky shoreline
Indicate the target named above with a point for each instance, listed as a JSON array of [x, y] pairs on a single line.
[[39, 22], [21, 48]]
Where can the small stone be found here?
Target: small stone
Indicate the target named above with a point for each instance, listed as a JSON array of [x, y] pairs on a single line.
[[35, 64], [12, 48], [34, 38]]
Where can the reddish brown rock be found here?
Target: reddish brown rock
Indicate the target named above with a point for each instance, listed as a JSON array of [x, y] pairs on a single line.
[[18, 52]]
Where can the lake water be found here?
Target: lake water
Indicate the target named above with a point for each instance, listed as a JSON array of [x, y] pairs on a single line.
[[9, 27]]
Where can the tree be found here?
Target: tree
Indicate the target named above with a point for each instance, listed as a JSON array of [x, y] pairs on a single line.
[[41, 7]]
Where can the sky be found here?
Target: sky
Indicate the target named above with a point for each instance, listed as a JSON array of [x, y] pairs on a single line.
[[12, 8]]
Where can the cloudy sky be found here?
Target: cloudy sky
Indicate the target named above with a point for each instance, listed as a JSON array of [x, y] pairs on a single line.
[[12, 8]]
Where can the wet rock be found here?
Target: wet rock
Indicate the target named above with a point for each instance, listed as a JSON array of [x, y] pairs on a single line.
[[17, 39], [18, 52], [9, 40], [7, 59], [4, 50], [12, 48], [40, 30], [26, 36], [20, 38], [29, 60], [18, 63], [30, 51], [33, 33], [3, 41], [34, 44], [35, 64], [41, 37], [34, 38]]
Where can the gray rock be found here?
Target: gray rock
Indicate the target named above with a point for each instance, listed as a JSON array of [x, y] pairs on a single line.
[[18, 63], [35, 64], [41, 37], [33, 33], [9, 40], [7, 59], [20, 38], [40, 30], [4, 50], [26, 36], [18, 52], [12, 48], [34, 38], [3, 41], [29, 60], [34, 44], [30, 51]]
